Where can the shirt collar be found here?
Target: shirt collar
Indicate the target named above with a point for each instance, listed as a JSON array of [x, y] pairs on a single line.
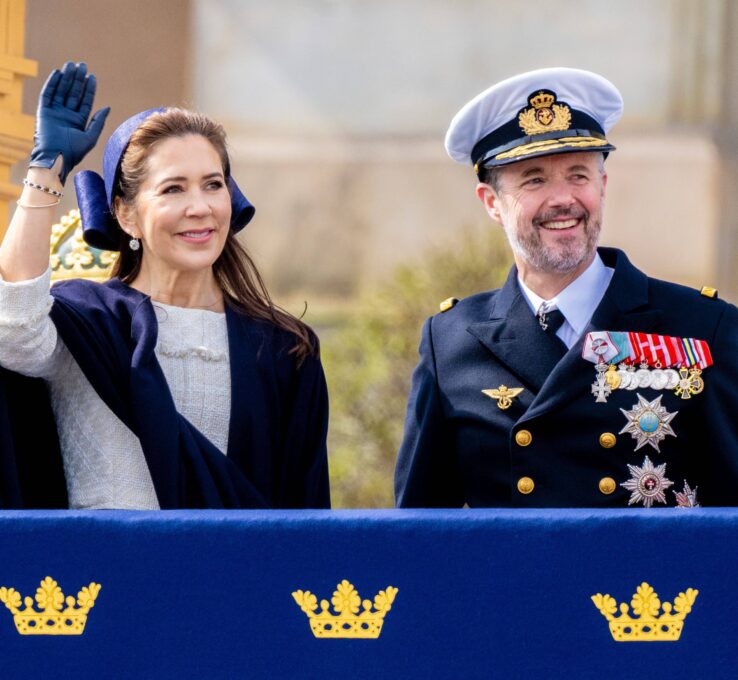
[[580, 298]]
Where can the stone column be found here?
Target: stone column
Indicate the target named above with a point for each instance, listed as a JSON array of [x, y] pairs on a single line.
[[16, 128], [726, 137], [704, 96]]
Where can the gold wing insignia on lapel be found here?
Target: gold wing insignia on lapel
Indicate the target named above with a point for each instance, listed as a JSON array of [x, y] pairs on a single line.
[[503, 395]]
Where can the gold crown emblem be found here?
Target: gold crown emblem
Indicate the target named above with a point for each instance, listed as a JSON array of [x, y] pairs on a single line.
[[542, 100], [646, 626], [347, 622], [52, 618], [71, 258], [544, 115]]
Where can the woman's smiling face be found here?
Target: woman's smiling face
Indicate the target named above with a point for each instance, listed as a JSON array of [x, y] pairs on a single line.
[[182, 211]]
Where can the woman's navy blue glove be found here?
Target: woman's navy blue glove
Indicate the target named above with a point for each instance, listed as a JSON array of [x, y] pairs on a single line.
[[61, 119]]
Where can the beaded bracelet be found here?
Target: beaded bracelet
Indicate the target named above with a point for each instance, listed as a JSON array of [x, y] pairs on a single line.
[[41, 187]]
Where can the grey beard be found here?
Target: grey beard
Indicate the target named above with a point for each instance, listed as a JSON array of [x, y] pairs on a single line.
[[532, 250]]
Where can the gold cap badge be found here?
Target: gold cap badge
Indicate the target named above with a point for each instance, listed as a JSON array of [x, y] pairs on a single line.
[[544, 115]]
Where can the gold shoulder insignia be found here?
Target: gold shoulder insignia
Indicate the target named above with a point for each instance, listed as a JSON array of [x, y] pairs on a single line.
[[709, 291], [448, 303]]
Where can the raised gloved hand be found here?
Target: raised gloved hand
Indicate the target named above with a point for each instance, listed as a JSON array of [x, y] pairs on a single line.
[[61, 119]]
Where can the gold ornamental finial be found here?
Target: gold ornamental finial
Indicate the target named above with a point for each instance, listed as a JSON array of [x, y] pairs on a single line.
[[71, 258]]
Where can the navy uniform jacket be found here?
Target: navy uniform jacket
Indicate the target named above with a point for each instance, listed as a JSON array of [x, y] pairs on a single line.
[[460, 447]]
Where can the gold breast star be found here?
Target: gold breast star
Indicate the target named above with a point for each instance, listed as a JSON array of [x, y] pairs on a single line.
[[503, 395]]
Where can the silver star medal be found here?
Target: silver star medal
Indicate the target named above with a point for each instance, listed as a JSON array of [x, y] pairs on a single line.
[[648, 422], [647, 483], [687, 498]]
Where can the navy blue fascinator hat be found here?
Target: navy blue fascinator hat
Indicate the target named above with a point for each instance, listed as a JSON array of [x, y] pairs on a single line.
[[95, 193]]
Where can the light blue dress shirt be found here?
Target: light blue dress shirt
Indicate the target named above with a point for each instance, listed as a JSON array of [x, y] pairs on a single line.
[[577, 301]]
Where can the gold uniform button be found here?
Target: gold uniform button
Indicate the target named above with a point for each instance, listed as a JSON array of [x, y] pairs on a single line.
[[526, 485], [607, 485], [607, 440], [523, 438]]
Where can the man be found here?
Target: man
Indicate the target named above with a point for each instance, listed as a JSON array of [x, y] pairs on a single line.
[[581, 382]]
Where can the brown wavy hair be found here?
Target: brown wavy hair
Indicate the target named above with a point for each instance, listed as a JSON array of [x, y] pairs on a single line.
[[235, 271]]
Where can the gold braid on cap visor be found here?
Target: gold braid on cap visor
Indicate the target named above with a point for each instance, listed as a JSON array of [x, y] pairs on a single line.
[[552, 145]]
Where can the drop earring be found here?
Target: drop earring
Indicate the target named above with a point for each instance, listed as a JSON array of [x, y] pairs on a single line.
[[134, 244]]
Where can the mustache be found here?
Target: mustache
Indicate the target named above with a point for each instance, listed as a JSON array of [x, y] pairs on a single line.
[[573, 213]]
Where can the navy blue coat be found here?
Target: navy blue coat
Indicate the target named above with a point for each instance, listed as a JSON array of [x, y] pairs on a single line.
[[460, 447], [279, 411]]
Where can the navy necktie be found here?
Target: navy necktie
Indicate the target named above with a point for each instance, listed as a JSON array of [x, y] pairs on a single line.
[[550, 322]]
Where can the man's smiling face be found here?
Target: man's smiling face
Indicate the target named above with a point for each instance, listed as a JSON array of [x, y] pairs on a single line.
[[551, 208]]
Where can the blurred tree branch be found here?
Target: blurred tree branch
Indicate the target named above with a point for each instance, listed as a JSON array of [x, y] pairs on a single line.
[[369, 361]]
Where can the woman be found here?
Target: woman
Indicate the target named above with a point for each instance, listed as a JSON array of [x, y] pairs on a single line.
[[177, 383]]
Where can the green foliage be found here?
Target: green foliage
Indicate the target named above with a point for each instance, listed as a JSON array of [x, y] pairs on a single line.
[[370, 359]]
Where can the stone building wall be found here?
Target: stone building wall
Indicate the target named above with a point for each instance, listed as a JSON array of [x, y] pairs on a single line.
[[337, 110]]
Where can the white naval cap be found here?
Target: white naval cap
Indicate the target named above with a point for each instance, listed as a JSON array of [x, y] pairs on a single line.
[[551, 110]]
